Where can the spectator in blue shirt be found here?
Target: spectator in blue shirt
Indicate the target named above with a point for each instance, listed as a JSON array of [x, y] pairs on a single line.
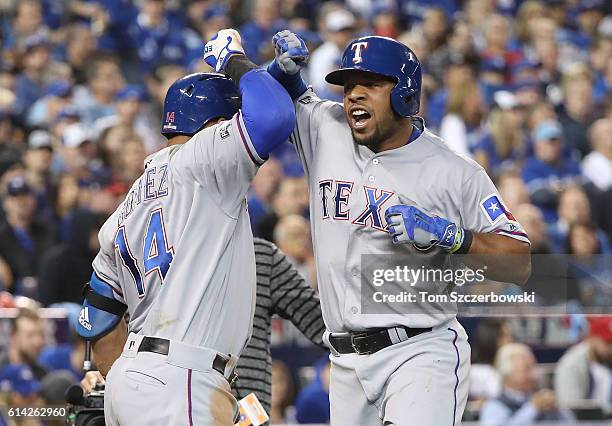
[[20, 386], [30, 84], [104, 80], [258, 31], [158, 36], [503, 143], [548, 172], [578, 110], [312, 403], [520, 403]]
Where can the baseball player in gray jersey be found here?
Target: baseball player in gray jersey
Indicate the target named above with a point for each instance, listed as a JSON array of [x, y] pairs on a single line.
[[381, 183], [178, 252]]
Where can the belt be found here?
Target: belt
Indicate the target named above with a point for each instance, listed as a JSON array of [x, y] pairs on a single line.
[[162, 347], [371, 341]]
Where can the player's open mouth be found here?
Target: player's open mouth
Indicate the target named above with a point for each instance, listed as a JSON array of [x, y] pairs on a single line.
[[359, 117]]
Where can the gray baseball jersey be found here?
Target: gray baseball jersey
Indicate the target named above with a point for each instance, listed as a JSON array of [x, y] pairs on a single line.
[[179, 249], [350, 189]]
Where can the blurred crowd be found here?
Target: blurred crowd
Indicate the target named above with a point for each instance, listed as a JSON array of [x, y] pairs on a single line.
[[524, 87]]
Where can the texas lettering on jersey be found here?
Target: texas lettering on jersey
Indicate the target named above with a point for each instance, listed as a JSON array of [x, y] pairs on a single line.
[[335, 195]]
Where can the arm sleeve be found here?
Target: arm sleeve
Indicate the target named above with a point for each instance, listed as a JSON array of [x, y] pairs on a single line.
[[484, 211], [310, 112], [293, 299], [266, 110]]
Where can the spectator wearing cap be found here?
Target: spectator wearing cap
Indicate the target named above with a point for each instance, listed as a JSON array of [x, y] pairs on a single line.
[[96, 98], [589, 14], [26, 342], [548, 171], [503, 143], [578, 109], [79, 156], [264, 22], [19, 387], [597, 165], [23, 239], [205, 20], [583, 372], [158, 36], [37, 161], [30, 83], [57, 96], [339, 30], [131, 109], [462, 124], [520, 403]]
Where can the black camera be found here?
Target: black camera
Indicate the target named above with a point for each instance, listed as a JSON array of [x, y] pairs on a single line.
[[85, 409]]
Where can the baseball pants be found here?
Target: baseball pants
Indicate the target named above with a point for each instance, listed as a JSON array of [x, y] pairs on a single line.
[[181, 388], [428, 388]]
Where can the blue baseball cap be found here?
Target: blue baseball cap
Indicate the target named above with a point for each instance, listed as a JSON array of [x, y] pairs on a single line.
[[547, 130], [59, 88], [67, 112], [19, 378], [216, 11], [133, 92], [36, 40], [18, 186], [495, 64]]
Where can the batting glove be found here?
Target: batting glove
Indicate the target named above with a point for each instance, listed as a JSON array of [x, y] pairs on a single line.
[[291, 52], [408, 224], [221, 47]]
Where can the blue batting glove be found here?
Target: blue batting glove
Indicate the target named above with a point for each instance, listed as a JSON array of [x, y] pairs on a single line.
[[408, 224], [291, 51], [221, 47]]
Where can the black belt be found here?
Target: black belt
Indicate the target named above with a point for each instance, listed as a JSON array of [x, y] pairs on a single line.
[[371, 341], [162, 347]]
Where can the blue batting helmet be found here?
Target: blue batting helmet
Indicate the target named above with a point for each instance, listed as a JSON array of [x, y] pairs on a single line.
[[384, 56], [194, 100]]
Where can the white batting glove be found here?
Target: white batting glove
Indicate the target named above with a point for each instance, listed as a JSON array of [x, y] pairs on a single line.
[[291, 51], [221, 47]]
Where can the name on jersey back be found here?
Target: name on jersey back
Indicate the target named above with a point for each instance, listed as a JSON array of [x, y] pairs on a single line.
[[150, 186]]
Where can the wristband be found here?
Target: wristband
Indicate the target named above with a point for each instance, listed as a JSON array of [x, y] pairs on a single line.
[[463, 241], [293, 84]]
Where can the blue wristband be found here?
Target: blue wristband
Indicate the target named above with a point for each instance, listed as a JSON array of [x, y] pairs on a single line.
[[293, 84]]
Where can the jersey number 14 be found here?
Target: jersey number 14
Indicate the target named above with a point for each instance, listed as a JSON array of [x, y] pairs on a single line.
[[157, 256]]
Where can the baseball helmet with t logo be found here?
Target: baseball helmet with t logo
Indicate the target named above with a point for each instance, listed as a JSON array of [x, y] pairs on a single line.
[[384, 56]]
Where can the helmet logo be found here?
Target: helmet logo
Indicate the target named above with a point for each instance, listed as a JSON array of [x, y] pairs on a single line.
[[357, 47], [170, 121]]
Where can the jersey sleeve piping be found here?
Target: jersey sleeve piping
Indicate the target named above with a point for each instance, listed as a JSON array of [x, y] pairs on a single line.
[[246, 141]]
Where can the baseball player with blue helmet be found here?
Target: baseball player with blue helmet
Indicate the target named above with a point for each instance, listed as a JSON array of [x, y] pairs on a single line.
[[178, 254], [382, 184]]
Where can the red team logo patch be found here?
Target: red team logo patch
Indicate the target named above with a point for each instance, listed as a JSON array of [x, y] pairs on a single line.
[[170, 121]]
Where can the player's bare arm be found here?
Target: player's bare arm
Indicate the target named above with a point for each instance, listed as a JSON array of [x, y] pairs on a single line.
[[108, 348]]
